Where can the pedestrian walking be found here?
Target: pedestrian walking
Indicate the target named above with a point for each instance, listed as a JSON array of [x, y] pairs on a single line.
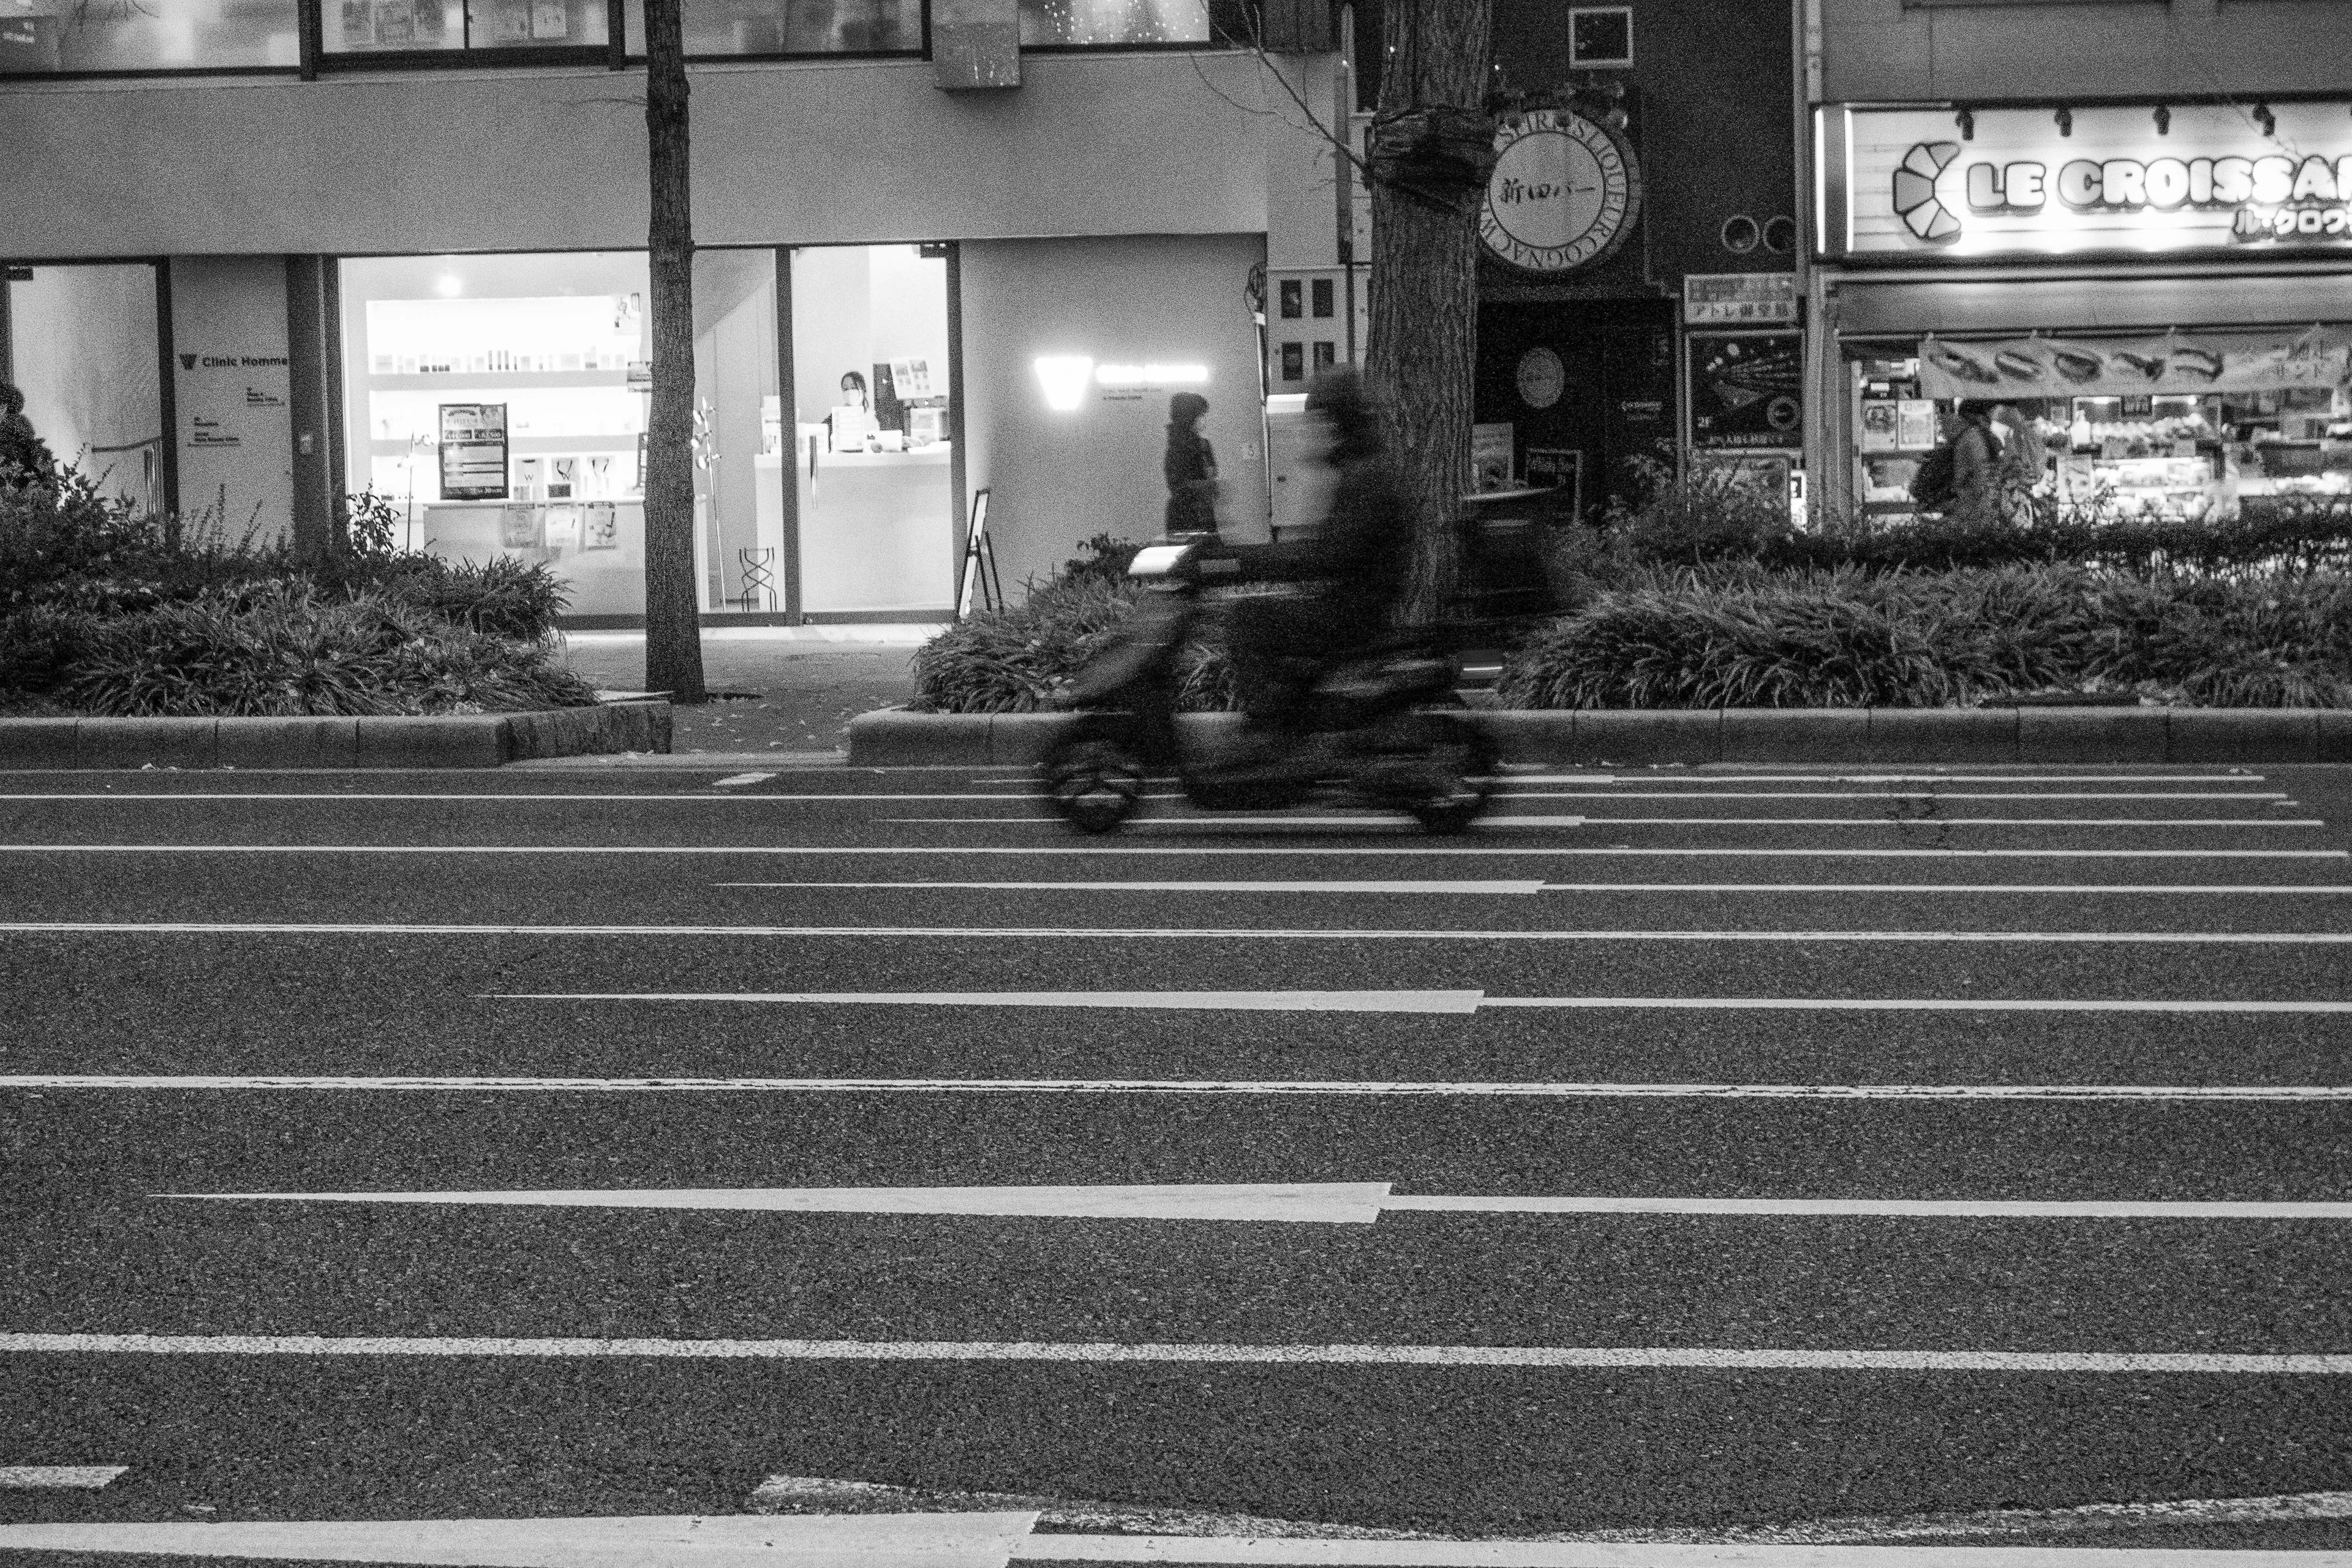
[[1976, 469], [1191, 466]]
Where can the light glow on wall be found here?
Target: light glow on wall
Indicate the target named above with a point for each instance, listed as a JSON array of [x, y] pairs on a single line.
[[1153, 374], [1065, 379]]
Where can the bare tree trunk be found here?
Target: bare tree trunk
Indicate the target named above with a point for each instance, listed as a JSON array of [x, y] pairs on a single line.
[[1422, 354], [673, 600]]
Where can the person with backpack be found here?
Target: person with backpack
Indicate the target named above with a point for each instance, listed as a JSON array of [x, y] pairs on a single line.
[[1962, 477]]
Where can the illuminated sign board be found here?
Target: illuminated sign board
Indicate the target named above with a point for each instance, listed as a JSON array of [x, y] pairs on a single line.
[[2037, 181], [1066, 377]]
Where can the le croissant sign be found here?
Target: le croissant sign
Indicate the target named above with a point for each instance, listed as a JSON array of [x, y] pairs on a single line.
[[2040, 182]]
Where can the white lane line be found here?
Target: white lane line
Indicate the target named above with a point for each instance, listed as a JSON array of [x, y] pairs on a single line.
[[151, 796], [1493, 823], [1694, 1358], [1400, 1088], [735, 781], [1881, 794], [702, 1541], [2052, 777], [1170, 933], [2082, 1518], [1454, 1002], [1435, 886], [1310, 1203], [1624, 1549], [78, 1477], [1318, 1203], [1187, 886], [1178, 1001], [1357, 851]]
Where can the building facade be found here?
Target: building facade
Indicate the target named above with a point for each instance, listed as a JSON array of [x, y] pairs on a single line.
[[265, 253], [2130, 223]]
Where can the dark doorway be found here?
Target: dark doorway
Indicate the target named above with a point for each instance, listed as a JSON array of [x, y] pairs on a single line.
[[1592, 377]]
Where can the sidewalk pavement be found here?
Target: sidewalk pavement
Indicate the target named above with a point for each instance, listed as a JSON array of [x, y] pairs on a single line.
[[811, 680]]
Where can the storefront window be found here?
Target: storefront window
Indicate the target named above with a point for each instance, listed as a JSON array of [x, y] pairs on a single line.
[[379, 27], [2270, 417], [41, 37], [82, 349], [1112, 24], [498, 402], [871, 452], [792, 26]]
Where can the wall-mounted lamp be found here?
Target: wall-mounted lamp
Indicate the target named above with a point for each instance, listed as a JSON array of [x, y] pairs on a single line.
[[2163, 121], [2065, 122], [1064, 377], [1967, 120], [2266, 120]]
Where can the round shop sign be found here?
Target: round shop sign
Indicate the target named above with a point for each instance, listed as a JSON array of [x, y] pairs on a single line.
[[1542, 378], [1564, 193]]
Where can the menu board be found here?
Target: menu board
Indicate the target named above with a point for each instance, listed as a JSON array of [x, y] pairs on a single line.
[[473, 451], [1746, 390]]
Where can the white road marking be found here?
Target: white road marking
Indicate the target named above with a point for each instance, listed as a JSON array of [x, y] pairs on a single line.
[[2081, 1519], [1456, 1001], [1491, 824], [1359, 851], [1435, 885], [1617, 1553], [1406, 1089], [1320, 1203], [1562, 1357], [1170, 933], [736, 780], [78, 1477], [1189, 887], [502, 796], [2275, 795], [742, 1540], [2051, 777], [1230, 1001], [1316, 1202]]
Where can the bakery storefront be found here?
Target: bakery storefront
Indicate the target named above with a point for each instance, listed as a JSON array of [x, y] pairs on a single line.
[[2162, 293]]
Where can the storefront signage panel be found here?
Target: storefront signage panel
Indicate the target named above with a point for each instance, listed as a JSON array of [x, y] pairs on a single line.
[[1564, 193], [2213, 179], [2171, 366], [1739, 299], [473, 448], [1747, 390]]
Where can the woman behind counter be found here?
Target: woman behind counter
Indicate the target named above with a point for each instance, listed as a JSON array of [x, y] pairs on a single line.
[[1191, 466]]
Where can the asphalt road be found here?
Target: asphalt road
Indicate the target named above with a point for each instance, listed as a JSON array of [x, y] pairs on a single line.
[[2095, 987]]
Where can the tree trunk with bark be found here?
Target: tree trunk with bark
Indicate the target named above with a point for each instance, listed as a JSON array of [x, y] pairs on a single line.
[[1421, 357], [673, 600]]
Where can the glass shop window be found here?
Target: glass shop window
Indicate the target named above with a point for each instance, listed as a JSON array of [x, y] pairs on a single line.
[[387, 26], [792, 26], [39, 38], [1126, 23]]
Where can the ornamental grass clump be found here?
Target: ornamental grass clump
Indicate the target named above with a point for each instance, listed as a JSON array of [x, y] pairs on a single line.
[[1845, 639], [284, 649]]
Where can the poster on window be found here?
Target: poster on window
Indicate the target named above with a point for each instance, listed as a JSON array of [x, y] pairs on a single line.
[[1558, 468], [473, 451], [1747, 389]]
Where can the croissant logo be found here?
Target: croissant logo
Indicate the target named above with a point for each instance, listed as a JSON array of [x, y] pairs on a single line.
[[1915, 202]]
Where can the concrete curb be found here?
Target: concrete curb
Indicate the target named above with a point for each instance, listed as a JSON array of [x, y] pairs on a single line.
[[1872, 735], [444, 740]]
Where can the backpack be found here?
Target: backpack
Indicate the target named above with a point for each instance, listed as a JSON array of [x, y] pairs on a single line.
[[1936, 485]]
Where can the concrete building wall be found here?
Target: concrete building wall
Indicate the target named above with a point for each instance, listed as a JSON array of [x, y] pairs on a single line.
[[1902, 50], [1058, 478], [824, 153]]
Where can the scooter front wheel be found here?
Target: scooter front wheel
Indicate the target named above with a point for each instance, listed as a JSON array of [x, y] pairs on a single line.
[[1461, 770], [1094, 774]]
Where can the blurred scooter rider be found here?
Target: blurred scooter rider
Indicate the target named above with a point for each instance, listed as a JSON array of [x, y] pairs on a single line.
[[1348, 572]]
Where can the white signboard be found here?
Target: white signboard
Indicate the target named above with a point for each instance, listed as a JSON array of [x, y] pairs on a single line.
[[2045, 182], [1564, 193]]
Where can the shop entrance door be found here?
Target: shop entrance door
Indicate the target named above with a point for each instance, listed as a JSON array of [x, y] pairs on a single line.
[[872, 442], [1587, 389], [81, 343]]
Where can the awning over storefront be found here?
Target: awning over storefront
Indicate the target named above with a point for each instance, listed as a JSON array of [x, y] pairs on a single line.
[[1960, 307], [2176, 364]]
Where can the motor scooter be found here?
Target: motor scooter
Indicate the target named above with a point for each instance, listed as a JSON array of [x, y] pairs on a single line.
[[1376, 731]]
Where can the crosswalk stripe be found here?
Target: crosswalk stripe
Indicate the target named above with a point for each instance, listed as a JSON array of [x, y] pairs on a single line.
[[1535, 1357], [1403, 1089], [1164, 933], [1382, 851], [2313, 889], [1399, 822], [1453, 1002]]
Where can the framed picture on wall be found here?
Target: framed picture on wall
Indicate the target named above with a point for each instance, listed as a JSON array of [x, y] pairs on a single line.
[[599, 527]]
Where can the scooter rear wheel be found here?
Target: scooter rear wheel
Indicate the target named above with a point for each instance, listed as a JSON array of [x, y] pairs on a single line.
[[1461, 762], [1094, 776]]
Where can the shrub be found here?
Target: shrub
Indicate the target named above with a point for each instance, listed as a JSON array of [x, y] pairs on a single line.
[[285, 648], [1847, 638], [37, 644]]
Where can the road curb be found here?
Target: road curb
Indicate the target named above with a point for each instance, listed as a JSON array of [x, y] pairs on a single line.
[[894, 737], [439, 741]]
